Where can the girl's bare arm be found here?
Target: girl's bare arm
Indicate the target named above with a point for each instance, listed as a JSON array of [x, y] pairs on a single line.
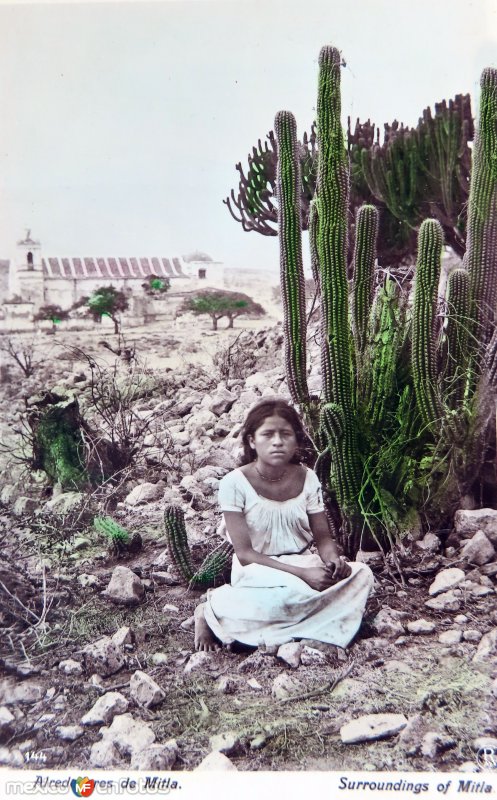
[[327, 548], [318, 578]]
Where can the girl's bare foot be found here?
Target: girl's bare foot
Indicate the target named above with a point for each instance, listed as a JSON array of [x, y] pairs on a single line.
[[204, 638]]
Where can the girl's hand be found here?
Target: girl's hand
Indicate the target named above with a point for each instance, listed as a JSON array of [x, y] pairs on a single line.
[[339, 568], [318, 578]]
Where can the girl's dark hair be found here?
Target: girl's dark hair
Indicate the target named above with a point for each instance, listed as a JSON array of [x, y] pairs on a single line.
[[255, 418]]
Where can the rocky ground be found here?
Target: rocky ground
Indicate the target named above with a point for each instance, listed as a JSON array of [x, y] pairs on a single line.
[[98, 663]]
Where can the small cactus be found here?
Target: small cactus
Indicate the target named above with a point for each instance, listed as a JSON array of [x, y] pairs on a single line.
[[213, 566], [111, 529], [177, 541]]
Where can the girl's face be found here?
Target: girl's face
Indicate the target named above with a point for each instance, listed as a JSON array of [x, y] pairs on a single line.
[[274, 441]]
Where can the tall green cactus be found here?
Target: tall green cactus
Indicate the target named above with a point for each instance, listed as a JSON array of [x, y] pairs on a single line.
[[177, 541], [407, 395]]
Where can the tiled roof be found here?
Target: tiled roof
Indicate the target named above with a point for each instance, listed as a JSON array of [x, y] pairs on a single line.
[[114, 267]]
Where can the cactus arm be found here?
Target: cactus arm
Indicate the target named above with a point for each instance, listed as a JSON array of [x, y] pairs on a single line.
[[290, 240], [456, 337], [424, 323], [111, 529], [481, 243], [213, 566], [364, 265]]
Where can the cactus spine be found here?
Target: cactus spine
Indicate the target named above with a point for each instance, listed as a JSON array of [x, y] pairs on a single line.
[[177, 541]]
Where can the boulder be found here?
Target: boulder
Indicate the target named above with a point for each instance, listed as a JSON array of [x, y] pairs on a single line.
[[125, 588], [122, 636], [144, 690], [487, 649], [435, 742], [479, 550], [156, 756], [226, 742], [450, 637], [446, 579], [6, 723], [145, 493], [310, 657], [467, 523], [387, 622], [105, 709], [64, 503], [70, 667], [103, 657], [430, 542], [447, 601], [128, 735], [215, 762], [284, 686], [221, 401], [370, 727], [472, 635], [105, 754], [420, 626], [198, 662], [290, 653], [69, 733]]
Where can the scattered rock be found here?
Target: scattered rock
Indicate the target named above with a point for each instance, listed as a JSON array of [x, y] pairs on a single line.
[[447, 601], [23, 693], [156, 659], [446, 579], [254, 663], [11, 758], [254, 684], [226, 742], [450, 637], [290, 653], [106, 755], [461, 619], [103, 657], [258, 741], [6, 723], [410, 737], [88, 581], [221, 401], [284, 685], [487, 649], [125, 588], [472, 635], [479, 550], [387, 622], [71, 667], [123, 636], [64, 503], [69, 733], [435, 742], [226, 685], [188, 624], [311, 656], [420, 626], [105, 709], [144, 690], [430, 542], [156, 756], [198, 662], [485, 741], [216, 762], [171, 608], [393, 665], [371, 727], [128, 735], [467, 523], [370, 557], [145, 493]]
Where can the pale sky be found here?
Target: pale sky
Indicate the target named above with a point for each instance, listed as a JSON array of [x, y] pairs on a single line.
[[121, 123]]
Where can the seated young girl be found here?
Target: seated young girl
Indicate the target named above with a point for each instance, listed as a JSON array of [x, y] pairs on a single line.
[[273, 513]]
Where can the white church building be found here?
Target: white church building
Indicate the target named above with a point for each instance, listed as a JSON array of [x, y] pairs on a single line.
[[34, 279]]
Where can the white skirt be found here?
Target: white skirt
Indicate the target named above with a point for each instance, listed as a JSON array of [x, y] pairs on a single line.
[[265, 606]]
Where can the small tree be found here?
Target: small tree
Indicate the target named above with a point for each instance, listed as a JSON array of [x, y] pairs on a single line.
[[107, 301], [22, 351], [219, 303], [155, 286], [53, 313]]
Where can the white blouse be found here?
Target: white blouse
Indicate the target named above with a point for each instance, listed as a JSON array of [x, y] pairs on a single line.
[[277, 527]]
